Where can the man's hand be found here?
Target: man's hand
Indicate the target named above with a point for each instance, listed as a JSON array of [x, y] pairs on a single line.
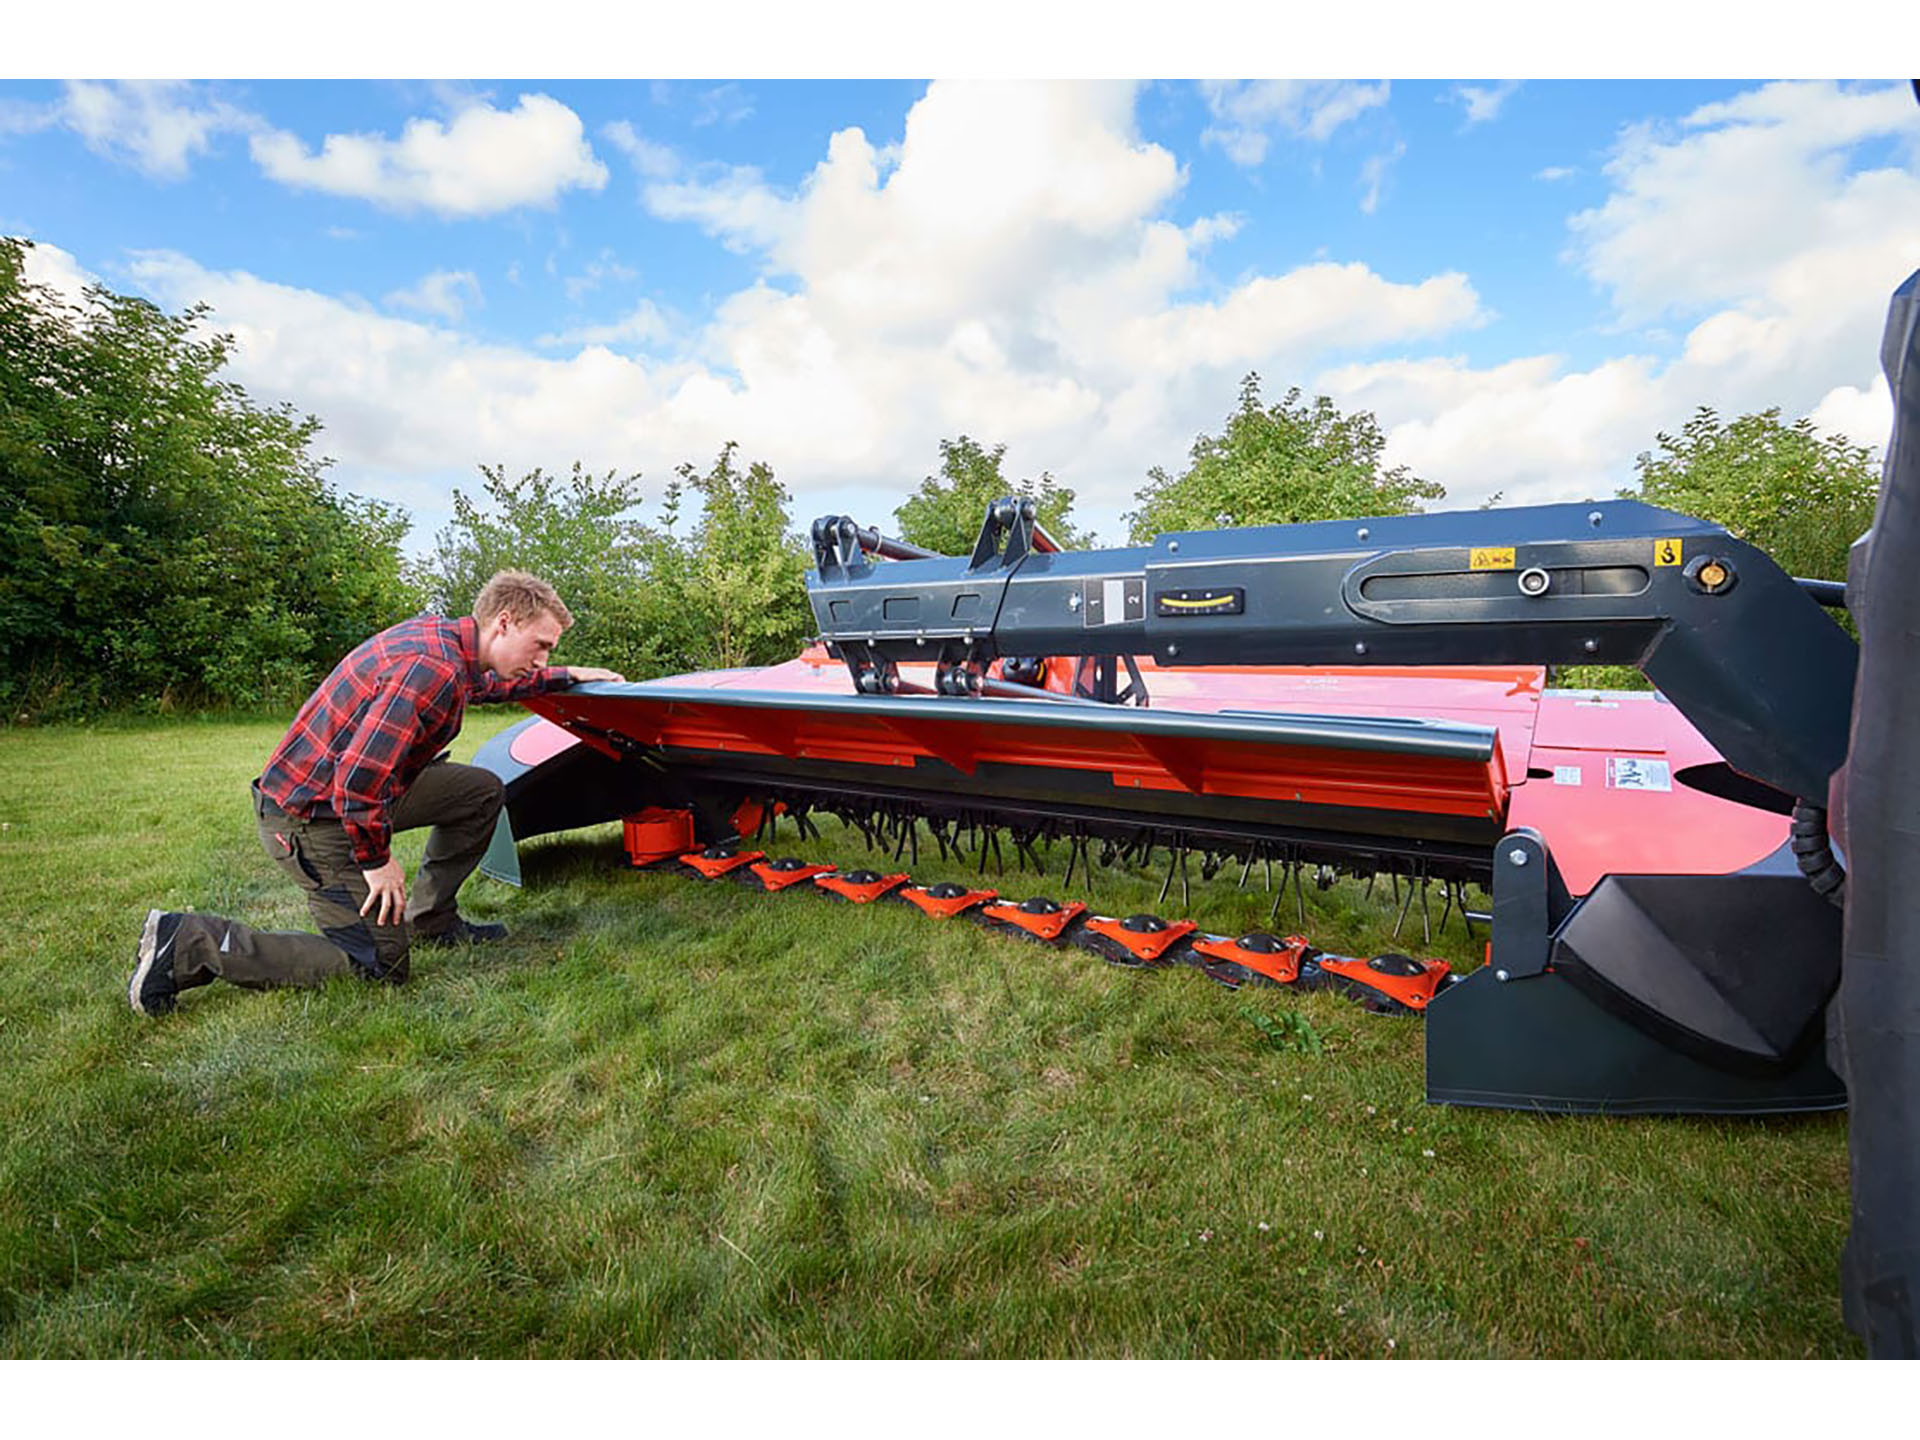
[[594, 672], [386, 889]]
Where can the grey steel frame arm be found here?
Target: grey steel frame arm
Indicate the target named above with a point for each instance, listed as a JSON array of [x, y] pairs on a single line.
[[1731, 639]]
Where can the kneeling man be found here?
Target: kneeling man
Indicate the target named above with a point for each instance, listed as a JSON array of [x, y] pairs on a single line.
[[365, 757]]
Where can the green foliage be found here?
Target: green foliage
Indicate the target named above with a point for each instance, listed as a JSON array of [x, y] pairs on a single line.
[[645, 601], [580, 535], [163, 540], [1801, 497], [733, 592], [1286, 1030], [1279, 465], [946, 512]]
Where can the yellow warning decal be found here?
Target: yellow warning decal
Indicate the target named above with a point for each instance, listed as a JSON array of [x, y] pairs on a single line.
[[1491, 557], [1666, 552]]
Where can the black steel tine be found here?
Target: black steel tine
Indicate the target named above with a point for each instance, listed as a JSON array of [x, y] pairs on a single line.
[[1446, 887], [1247, 869], [1168, 884], [1405, 906], [1300, 889]]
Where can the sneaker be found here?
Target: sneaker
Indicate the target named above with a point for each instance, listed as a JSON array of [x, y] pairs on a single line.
[[463, 932], [151, 990]]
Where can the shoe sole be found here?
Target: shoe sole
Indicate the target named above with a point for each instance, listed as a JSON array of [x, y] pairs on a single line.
[[147, 954]]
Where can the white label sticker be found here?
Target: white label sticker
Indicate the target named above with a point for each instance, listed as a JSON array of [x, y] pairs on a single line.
[[1114, 594], [1566, 774], [1629, 772]]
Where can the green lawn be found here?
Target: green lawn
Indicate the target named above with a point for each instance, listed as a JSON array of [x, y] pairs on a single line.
[[673, 1119]]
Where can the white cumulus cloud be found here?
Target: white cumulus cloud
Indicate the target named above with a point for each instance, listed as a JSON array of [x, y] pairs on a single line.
[[650, 157], [157, 126], [1248, 114], [480, 162], [446, 293], [1746, 222], [56, 269], [1484, 102], [1014, 267], [1007, 269]]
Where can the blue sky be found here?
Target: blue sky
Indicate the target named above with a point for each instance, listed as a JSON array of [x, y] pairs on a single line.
[[1525, 282]]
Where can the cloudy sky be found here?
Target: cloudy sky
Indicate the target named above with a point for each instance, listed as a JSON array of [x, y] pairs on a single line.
[[1524, 281]]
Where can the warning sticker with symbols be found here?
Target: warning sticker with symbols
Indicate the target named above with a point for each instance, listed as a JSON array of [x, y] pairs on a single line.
[[1491, 557], [1666, 552], [1630, 772]]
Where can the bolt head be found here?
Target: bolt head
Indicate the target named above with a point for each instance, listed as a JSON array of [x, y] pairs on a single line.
[[1516, 856], [1502, 976]]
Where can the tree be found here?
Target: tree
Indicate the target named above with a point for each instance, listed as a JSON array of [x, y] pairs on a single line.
[[734, 591], [1801, 497], [646, 601], [946, 512], [580, 535], [162, 538], [1281, 464]]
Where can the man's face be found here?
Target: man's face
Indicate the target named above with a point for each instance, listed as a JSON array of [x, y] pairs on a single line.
[[521, 647]]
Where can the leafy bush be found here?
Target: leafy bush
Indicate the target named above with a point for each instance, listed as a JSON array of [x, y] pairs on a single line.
[[1803, 498], [945, 513], [1281, 464], [645, 601], [580, 535], [163, 540]]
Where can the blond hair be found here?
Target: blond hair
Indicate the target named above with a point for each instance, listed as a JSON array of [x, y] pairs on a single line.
[[524, 597]]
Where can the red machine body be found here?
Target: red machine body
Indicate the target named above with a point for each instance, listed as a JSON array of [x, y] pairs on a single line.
[[1613, 779]]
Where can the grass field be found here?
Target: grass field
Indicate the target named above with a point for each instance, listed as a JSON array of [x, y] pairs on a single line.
[[667, 1119]]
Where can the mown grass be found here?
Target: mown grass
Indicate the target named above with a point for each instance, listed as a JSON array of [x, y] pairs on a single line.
[[673, 1119]]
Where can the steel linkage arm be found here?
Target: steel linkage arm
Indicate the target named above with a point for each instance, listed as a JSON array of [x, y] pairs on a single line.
[[1741, 648]]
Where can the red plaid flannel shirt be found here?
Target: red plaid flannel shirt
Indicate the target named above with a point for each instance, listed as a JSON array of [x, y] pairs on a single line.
[[376, 722]]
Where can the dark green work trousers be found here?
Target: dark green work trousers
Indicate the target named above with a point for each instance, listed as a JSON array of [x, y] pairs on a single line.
[[460, 802]]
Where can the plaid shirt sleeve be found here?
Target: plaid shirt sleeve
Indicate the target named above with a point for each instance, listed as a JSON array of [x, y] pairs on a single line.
[[409, 704], [492, 689]]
